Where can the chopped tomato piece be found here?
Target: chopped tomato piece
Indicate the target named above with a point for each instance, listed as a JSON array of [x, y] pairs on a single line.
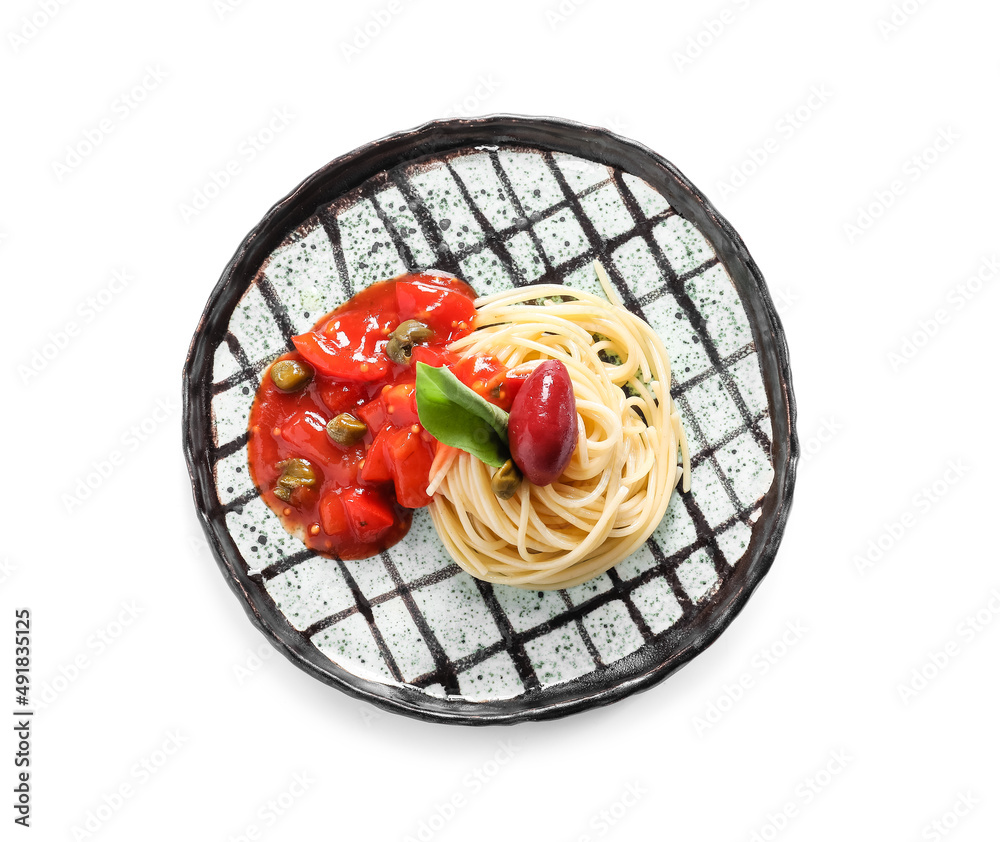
[[477, 368], [447, 312], [343, 468], [502, 387], [332, 516], [514, 378], [376, 468], [401, 444], [305, 433], [373, 413], [342, 397], [368, 513], [345, 350], [401, 404], [410, 458], [360, 327], [443, 279], [377, 303], [436, 357], [477, 372]]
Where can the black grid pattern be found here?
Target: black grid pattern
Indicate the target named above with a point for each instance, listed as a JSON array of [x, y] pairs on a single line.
[[446, 671]]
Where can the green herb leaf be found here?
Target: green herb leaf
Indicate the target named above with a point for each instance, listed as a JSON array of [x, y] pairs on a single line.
[[455, 415]]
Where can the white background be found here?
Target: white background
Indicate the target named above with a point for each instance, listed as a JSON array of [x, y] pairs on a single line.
[[137, 640]]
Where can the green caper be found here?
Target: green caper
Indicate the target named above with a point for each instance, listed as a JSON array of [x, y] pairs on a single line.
[[397, 352], [295, 473], [413, 331], [346, 429], [403, 338], [506, 480], [291, 375]]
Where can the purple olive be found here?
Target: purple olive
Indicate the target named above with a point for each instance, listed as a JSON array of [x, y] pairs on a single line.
[[542, 425]]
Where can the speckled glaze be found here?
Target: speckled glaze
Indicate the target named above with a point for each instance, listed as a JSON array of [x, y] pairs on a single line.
[[502, 202]]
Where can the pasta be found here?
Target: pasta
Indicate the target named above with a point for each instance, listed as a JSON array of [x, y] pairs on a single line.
[[619, 481]]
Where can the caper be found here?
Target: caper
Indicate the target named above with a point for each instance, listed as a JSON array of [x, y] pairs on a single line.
[[291, 375], [346, 429], [413, 331], [403, 338], [396, 351], [506, 480], [295, 473]]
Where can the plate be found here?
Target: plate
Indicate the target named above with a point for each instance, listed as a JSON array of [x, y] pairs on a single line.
[[499, 201]]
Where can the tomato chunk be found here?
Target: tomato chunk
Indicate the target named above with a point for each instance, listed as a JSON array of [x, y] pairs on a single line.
[[332, 516], [446, 280], [373, 413], [349, 348], [410, 458], [368, 513], [342, 397], [305, 433], [435, 357], [476, 372], [401, 404], [502, 387], [447, 312], [401, 444], [376, 467], [342, 469]]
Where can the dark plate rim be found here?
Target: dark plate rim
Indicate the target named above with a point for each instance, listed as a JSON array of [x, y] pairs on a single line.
[[434, 137]]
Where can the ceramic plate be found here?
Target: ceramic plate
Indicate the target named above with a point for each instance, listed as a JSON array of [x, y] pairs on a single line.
[[502, 201]]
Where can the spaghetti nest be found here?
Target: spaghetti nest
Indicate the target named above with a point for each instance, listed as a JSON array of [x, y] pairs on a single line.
[[625, 467]]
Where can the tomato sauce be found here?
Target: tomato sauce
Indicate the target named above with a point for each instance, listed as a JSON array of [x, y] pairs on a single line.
[[363, 494]]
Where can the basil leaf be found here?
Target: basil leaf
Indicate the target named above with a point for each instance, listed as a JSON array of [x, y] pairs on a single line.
[[455, 415]]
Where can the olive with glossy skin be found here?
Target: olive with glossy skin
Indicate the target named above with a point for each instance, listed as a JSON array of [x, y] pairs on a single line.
[[291, 375], [542, 427]]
